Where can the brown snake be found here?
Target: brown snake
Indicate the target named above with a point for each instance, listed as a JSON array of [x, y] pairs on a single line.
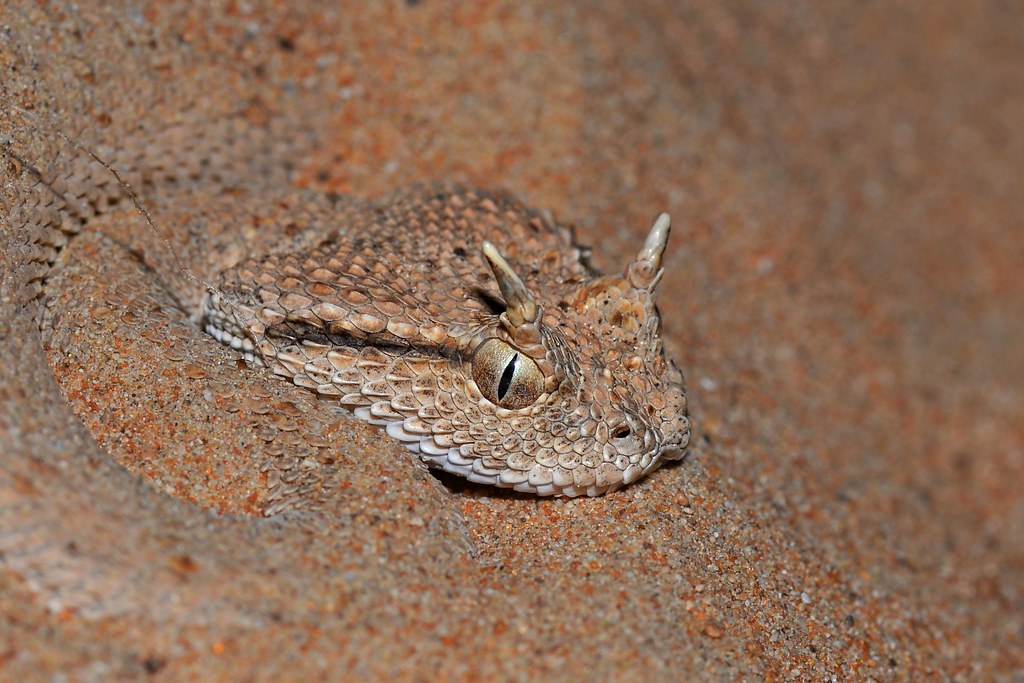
[[511, 365], [508, 365]]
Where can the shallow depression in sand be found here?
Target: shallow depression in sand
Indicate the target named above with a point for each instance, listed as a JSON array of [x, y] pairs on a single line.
[[164, 400]]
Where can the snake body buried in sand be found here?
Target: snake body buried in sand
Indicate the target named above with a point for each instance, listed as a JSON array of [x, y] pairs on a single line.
[[468, 327], [516, 367]]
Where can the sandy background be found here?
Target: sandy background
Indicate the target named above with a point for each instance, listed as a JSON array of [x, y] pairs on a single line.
[[843, 291]]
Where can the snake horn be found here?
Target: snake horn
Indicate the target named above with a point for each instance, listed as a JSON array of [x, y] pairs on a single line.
[[520, 306]]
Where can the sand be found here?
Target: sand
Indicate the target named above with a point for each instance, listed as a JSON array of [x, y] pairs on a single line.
[[843, 293]]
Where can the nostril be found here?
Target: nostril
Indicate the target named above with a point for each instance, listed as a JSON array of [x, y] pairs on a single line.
[[621, 432]]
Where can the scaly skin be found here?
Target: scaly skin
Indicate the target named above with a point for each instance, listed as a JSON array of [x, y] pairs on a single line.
[[555, 384]]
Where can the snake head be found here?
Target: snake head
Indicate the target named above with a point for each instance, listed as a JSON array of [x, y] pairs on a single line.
[[604, 404], [517, 368]]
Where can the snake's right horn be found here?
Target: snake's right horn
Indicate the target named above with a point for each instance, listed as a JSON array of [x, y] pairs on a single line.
[[645, 271]]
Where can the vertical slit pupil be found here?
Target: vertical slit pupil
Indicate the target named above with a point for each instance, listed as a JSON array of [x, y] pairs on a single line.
[[506, 377]]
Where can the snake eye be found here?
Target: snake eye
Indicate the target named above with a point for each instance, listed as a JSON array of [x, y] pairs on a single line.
[[506, 377]]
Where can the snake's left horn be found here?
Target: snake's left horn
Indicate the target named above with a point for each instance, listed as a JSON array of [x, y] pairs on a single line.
[[520, 306]]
